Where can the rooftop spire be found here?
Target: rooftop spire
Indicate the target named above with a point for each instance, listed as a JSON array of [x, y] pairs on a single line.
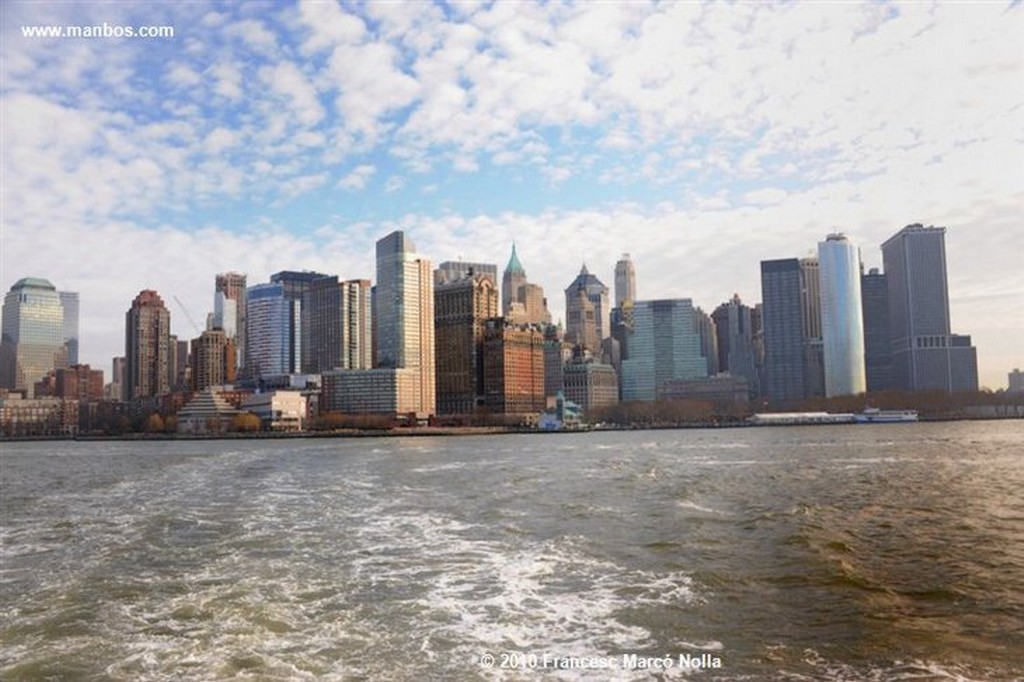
[[513, 263]]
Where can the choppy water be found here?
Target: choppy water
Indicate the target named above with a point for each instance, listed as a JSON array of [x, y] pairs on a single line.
[[870, 552]]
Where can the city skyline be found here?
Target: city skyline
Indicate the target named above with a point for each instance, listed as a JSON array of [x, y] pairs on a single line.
[[764, 129]]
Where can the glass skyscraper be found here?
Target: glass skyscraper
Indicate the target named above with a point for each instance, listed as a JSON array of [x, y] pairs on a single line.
[[782, 320], [273, 332], [842, 323], [32, 341], [664, 345]]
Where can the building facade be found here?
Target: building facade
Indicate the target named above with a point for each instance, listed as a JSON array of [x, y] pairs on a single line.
[[664, 345], [449, 271], [273, 332], [586, 303], [874, 292], [925, 354], [213, 360], [735, 332], [513, 278], [229, 301], [513, 369], [69, 302], [79, 382], [387, 391], [842, 320], [591, 384], [147, 347], [340, 325], [32, 341], [625, 281], [461, 309], [403, 313], [783, 330]]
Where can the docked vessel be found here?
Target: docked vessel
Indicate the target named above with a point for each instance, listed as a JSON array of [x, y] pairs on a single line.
[[873, 415]]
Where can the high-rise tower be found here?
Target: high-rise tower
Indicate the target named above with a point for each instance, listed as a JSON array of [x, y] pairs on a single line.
[[514, 277], [229, 310], [32, 342], [586, 291], [147, 347], [842, 324], [925, 355], [782, 320], [403, 314], [625, 281]]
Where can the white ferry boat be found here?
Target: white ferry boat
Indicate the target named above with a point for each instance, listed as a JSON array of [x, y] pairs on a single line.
[[873, 415]]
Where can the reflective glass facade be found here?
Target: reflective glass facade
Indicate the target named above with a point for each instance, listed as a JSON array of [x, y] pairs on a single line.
[[842, 324], [32, 341]]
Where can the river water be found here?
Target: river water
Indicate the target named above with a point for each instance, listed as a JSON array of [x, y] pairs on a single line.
[[804, 553]]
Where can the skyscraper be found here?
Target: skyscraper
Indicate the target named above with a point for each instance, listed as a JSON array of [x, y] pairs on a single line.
[[925, 355], [513, 369], [32, 341], [810, 316], [147, 347], [403, 314], [69, 304], [842, 323], [213, 360], [874, 292], [451, 270], [735, 330], [461, 309], [514, 277], [577, 315], [295, 286], [625, 281], [338, 316], [664, 345], [783, 330], [229, 309], [273, 332]]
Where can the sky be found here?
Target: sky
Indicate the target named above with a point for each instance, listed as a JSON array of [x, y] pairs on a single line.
[[699, 138]]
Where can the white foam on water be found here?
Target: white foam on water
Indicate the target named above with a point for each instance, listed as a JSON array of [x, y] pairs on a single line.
[[690, 504]]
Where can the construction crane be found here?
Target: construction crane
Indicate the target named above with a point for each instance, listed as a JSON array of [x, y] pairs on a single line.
[[187, 316]]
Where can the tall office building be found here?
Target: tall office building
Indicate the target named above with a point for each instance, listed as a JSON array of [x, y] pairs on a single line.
[[229, 309], [452, 270], [295, 286], [925, 354], [521, 301], [403, 314], [147, 347], [664, 345], [814, 345], [69, 303], [783, 330], [874, 292], [461, 309], [842, 323], [708, 340], [339, 321], [587, 288], [625, 281], [272, 332], [213, 360], [513, 368], [735, 331], [32, 342]]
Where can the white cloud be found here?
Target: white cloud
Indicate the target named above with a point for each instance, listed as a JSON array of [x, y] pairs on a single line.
[[288, 82], [358, 178]]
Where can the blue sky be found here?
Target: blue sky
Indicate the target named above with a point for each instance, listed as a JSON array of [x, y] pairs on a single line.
[[701, 138]]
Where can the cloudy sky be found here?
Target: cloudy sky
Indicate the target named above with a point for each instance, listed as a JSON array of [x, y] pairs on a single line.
[[699, 138]]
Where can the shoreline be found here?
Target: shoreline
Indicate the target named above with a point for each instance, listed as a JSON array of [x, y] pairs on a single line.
[[456, 431]]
